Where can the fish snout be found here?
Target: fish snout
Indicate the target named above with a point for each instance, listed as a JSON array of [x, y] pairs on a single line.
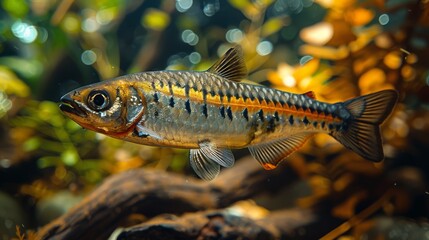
[[69, 106]]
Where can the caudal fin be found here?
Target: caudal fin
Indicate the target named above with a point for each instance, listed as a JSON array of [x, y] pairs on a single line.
[[363, 132]]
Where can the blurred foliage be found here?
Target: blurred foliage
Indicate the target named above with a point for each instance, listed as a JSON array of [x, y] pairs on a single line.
[[338, 49]]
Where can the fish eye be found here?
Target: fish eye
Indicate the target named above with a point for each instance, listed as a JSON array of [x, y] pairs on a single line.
[[98, 100]]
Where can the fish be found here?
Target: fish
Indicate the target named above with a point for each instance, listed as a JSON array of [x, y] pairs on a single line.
[[211, 112]]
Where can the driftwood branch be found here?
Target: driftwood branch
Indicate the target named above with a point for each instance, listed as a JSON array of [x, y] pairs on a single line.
[[286, 224], [151, 192]]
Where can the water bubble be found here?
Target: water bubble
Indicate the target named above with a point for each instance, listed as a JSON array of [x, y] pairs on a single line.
[[194, 57], [88, 57], [43, 34], [384, 19], [264, 48], [234, 35], [189, 37], [90, 25], [295, 6], [5, 163], [183, 5], [25, 32], [211, 7], [105, 16]]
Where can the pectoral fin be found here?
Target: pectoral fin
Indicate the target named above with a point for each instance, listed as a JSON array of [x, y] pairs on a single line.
[[206, 160], [270, 154]]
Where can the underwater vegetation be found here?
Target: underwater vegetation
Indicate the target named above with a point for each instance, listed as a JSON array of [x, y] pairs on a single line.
[[59, 180]]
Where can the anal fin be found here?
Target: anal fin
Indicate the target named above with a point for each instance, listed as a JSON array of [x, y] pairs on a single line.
[[270, 154], [206, 160]]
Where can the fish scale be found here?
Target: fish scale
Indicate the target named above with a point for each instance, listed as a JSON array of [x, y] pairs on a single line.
[[212, 112]]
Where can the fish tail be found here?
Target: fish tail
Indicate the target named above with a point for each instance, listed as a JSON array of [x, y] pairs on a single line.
[[362, 134]]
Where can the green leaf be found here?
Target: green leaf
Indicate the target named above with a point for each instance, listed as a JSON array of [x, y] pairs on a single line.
[[16, 8], [272, 26], [31, 144]]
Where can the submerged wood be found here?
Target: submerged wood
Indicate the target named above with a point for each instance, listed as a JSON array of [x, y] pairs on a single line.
[[219, 224], [153, 192]]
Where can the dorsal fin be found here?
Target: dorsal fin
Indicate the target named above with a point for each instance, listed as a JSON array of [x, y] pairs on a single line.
[[310, 94], [231, 65]]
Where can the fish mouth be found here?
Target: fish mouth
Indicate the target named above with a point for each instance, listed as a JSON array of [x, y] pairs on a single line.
[[67, 105]]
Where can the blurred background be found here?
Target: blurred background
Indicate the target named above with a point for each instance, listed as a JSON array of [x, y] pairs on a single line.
[[338, 49]]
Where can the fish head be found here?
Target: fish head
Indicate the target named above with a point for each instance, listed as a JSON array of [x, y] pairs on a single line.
[[110, 107]]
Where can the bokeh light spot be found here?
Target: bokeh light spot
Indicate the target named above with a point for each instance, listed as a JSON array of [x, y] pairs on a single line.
[[183, 5], [88, 57], [383, 19], [155, 19], [211, 7], [234, 35], [264, 48], [194, 57], [189, 37], [90, 25], [25, 32], [318, 34]]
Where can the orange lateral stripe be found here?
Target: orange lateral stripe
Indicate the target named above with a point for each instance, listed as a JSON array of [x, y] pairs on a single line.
[[240, 104]]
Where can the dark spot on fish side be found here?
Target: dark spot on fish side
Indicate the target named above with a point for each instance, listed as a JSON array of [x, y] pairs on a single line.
[[315, 123], [212, 93], [229, 113], [170, 87], [187, 88], [322, 124], [305, 120], [204, 110], [171, 102], [188, 106], [276, 116], [222, 111], [155, 97], [220, 93], [291, 120], [330, 126], [261, 114], [251, 96], [246, 114], [204, 91], [228, 95], [271, 124], [156, 114]]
